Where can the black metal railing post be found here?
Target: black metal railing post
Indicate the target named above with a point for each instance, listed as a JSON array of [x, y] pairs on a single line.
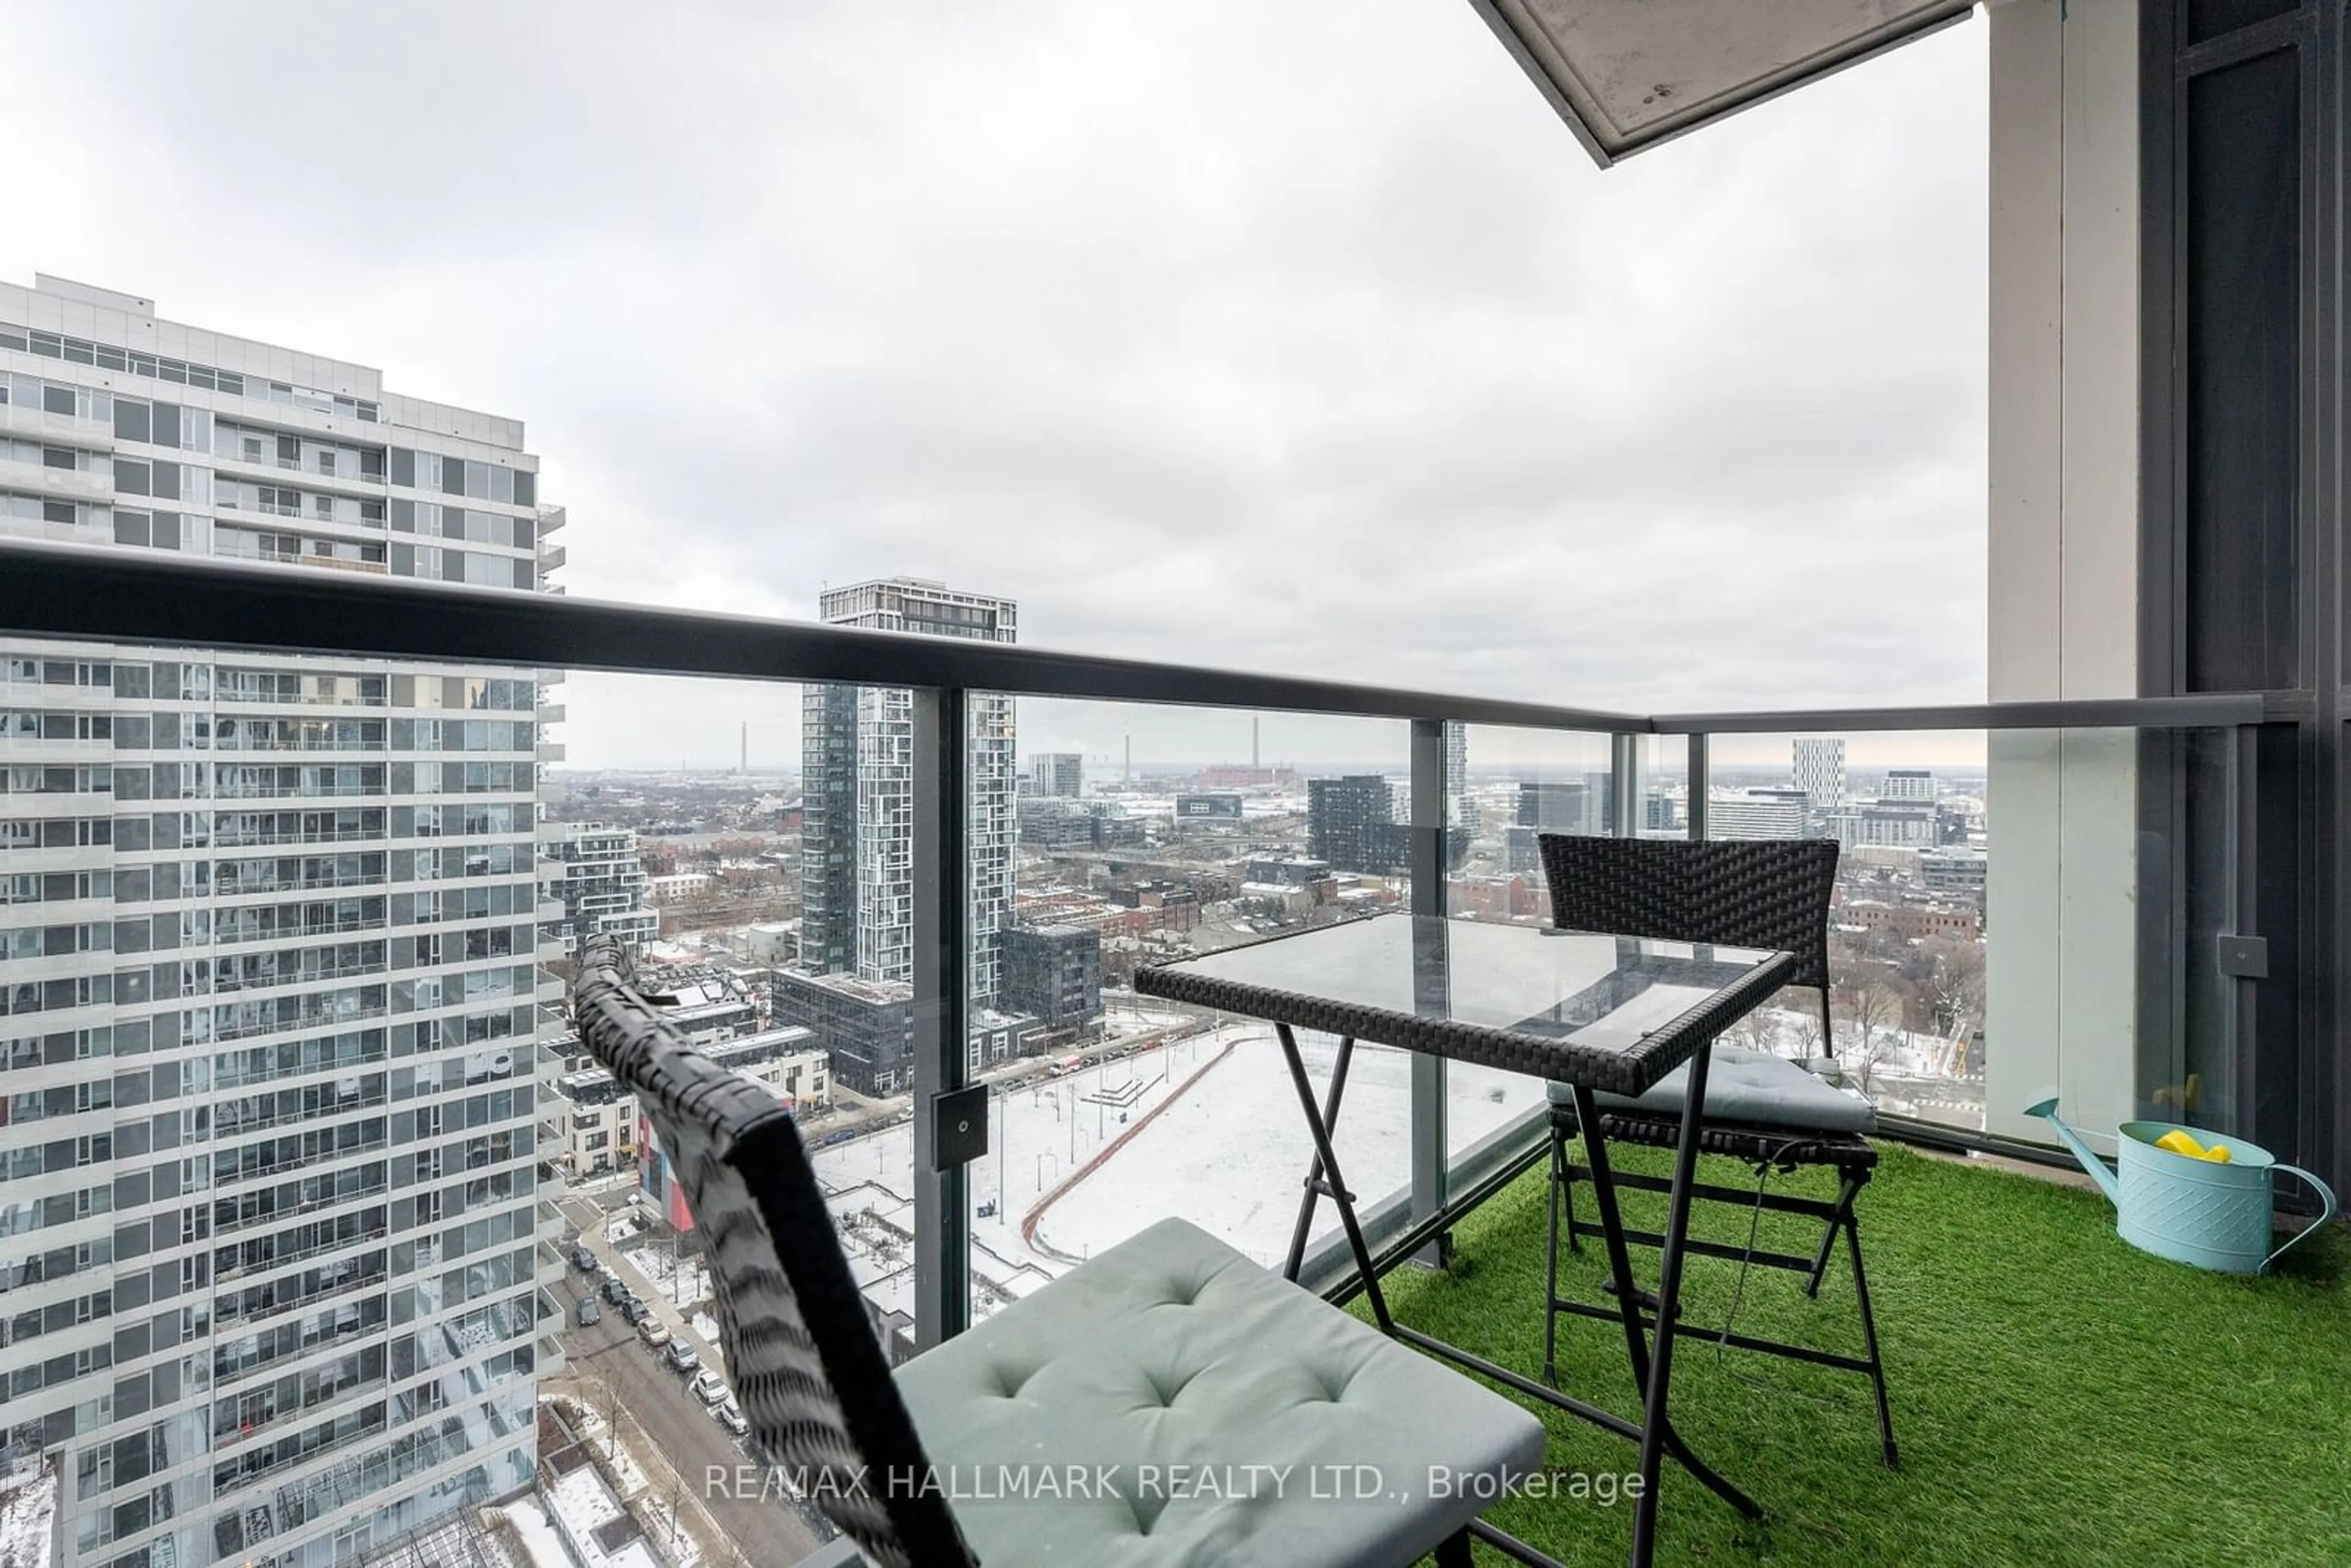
[[1699, 778], [1625, 783], [1432, 814], [942, 954]]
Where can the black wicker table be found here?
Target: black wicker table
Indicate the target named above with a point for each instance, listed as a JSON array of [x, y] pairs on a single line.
[[1601, 1014]]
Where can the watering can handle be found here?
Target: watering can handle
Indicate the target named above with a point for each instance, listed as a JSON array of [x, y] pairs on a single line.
[[2328, 1209]]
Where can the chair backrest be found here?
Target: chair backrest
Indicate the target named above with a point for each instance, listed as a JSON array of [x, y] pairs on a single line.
[[1768, 893], [801, 1350]]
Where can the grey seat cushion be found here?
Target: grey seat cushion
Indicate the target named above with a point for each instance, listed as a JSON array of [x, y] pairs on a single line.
[[1751, 1087], [1173, 1350]]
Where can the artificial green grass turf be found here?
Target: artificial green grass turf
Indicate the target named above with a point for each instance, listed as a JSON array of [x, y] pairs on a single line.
[[2059, 1397]]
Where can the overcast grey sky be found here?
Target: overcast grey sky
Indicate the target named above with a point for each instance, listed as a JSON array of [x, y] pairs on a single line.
[[1297, 336]]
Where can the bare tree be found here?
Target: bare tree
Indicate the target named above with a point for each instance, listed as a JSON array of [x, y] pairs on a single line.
[[1873, 1027], [1804, 1026], [1954, 987]]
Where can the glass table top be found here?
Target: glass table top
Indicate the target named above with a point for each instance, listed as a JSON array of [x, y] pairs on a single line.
[[1597, 992]]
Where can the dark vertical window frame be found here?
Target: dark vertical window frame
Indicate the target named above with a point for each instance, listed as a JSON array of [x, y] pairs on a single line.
[[2326, 901], [2292, 1064], [2241, 354]]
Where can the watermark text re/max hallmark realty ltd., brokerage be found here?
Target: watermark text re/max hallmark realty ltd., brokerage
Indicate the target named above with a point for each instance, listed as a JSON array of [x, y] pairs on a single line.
[[1167, 1483]]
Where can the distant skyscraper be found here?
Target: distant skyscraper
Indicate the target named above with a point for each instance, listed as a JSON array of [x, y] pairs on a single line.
[[1058, 773], [1756, 814], [1552, 806], [596, 872], [857, 849], [1351, 822], [828, 829], [1460, 811], [1909, 784], [1556, 806], [1820, 771]]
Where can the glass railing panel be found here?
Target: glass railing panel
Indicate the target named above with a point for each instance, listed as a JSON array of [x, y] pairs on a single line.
[[2126, 859], [1518, 784], [1139, 835], [1975, 969], [1906, 947]]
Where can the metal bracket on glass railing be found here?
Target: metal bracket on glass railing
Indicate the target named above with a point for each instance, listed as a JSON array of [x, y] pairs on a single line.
[[959, 1126], [2244, 957]]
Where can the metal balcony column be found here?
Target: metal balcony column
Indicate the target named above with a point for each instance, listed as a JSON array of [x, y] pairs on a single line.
[[1699, 781], [941, 951], [1625, 783], [1431, 813]]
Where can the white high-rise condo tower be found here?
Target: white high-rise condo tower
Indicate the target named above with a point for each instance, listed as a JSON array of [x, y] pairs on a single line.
[[269, 983], [1820, 771]]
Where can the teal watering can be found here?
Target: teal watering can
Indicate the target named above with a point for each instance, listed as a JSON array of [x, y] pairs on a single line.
[[2210, 1213]]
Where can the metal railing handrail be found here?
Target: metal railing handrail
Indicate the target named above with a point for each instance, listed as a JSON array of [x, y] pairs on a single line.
[[90, 592], [94, 593], [2217, 711]]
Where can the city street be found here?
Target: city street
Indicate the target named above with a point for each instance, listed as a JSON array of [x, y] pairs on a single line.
[[613, 1366]]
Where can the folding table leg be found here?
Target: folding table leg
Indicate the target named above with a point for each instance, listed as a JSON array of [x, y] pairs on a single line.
[[1612, 1237], [1327, 1159], [1314, 1171], [1628, 1308], [1656, 1429]]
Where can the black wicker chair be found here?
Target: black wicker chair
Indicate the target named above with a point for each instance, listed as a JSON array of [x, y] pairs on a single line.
[[1168, 1346], [1769, 1111]]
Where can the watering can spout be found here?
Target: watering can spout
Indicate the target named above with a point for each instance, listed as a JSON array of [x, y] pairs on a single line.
[[2047, 1111]]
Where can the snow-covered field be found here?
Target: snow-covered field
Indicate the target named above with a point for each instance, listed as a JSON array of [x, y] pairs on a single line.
[[1226, 1150], [1085, 1159], [1038, 1136]]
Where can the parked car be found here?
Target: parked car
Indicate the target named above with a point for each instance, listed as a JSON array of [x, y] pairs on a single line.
[[583, 1260], [711, 1388], [589, 1311], [682, 1359], [731, 1417], [650, 1330], [634, 1311], [614, 1288]]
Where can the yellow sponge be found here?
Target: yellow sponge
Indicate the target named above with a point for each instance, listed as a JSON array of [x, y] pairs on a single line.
[[2180, 1141]]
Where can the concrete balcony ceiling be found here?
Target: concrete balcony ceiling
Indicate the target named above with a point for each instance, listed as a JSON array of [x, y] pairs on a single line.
[[1628, 74]]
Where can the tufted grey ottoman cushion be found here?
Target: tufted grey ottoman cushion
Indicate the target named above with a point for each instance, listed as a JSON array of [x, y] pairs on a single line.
[[1752, 1088], [1135, 1391]]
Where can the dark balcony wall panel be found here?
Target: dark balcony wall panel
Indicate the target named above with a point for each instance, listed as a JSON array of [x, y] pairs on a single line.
[[2210, 20], [2241, 374]]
